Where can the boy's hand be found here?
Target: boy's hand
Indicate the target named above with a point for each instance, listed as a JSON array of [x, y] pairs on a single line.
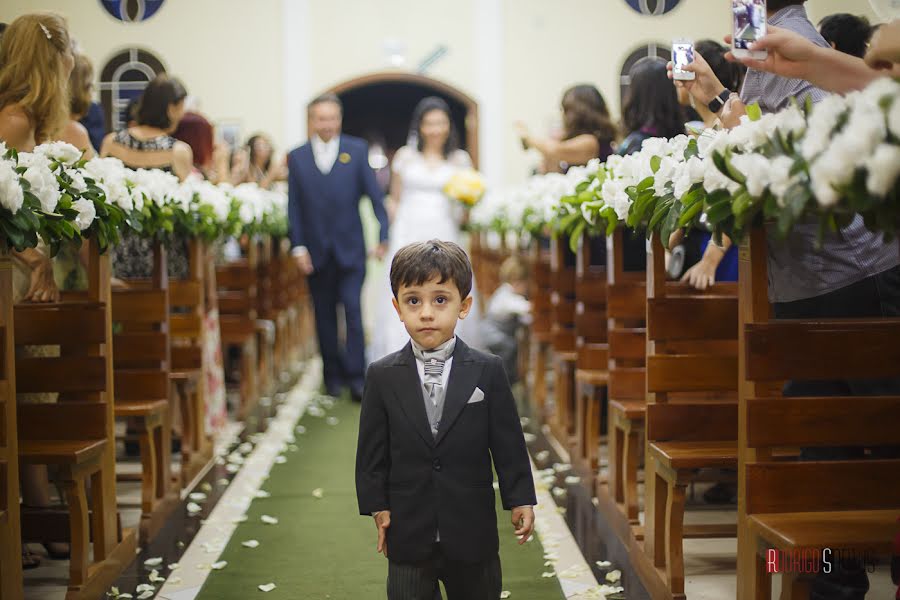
[[382, 522], [523, 521]]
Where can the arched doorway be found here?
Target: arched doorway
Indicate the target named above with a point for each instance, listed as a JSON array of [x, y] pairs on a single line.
[[379, 106]]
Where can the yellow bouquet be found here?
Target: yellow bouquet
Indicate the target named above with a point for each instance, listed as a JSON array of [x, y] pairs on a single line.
[[466, 187]]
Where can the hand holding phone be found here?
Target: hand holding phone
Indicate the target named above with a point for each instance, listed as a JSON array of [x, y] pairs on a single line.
[[749, 25], [682, 55]]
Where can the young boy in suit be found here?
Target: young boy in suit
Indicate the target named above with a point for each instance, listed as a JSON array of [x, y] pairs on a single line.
[[433, 417]]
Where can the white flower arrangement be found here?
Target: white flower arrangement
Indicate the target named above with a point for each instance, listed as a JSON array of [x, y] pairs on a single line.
[[54, 194], [832, 160]]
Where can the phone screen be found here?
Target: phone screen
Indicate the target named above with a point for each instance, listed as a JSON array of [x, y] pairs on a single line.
[[749, 21], [682, 54]]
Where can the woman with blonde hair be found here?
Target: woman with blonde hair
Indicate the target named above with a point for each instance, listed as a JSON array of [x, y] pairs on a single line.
[[35, 62]]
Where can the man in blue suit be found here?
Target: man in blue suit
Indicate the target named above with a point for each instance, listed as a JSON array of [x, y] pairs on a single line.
[[327, 177]]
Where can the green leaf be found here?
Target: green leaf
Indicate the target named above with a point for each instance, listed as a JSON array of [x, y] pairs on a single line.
[[655, 162], [576, 236], [688, 214], [646, 183]]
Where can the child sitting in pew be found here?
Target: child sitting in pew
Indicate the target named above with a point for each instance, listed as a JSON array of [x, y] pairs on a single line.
[[507, 310]]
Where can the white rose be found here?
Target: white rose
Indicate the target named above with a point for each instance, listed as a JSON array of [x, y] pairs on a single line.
[[755, 168], [893, 117], [11, 194], [714, 180], [43, 182], [884, 169], [655, 146], [865, 129], [677, 146], [663, 177], [60, 151], [78, 181], [780, 177], [883, 87], [822, 121], [86, 213], [690, 172]]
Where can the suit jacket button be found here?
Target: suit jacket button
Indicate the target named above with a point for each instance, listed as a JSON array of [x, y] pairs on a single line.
[[436, 464]]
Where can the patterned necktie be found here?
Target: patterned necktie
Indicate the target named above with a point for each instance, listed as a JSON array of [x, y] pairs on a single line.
[[433, 382]]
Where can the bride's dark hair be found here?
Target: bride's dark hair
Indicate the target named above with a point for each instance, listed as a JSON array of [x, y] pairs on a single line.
[[425, 106]]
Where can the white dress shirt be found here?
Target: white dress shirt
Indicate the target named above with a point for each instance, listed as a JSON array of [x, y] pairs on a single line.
[[325, 153]]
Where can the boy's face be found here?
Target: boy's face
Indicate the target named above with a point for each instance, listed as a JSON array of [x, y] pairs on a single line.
[[430, 311]]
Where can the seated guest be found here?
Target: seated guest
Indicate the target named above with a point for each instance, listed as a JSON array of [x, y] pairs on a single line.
[[210, 157], [149, 145], [651, 108], [263, 169], [506, 311], [588, 131], [847, 33]]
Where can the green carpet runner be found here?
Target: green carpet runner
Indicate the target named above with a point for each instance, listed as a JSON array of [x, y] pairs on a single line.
[[321, 548]]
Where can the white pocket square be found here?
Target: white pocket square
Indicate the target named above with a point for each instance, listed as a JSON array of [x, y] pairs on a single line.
[[477, 396]]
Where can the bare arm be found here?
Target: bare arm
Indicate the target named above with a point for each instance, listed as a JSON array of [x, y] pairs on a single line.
[[76, 134], [15, 129], [182, 160], [42, 287], [106, 146], [576, 151], [792, 55]]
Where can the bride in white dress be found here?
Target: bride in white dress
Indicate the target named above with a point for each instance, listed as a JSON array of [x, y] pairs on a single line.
[[420, 211]]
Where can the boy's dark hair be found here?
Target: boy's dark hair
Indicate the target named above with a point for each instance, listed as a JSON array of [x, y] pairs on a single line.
[[326, 97], [848, 33], [415, 264]]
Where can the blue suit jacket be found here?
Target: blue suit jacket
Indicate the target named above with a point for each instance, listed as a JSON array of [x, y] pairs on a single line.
[[324, 209]]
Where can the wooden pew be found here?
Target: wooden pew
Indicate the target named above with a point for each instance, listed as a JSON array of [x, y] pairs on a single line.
[[267, 316], [691, 419], [236, 293], [76, 434], [190, 300], [562, 268], [540, 293], [591, 373], [10, 535], [283, 275], [626, 307], [786, 504], [142, 363]]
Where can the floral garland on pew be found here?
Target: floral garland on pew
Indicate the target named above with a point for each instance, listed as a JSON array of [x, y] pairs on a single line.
[[54, 195], [823, 163]]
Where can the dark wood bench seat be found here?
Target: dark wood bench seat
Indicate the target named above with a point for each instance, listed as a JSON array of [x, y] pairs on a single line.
[[60, 452]]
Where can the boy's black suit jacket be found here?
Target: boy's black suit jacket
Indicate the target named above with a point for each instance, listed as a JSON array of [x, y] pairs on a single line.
[[444, 482]]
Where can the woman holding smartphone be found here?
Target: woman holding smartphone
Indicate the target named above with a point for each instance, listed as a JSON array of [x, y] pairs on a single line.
[[588, 131]]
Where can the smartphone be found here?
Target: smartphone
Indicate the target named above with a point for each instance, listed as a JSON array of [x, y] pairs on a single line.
[[682, 54], [749, 24]]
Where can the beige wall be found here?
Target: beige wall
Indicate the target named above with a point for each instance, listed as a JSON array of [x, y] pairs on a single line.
[[257, 62], [203, 42]]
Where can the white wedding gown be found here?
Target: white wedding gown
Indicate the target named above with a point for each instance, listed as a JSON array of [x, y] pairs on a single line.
[[423, 213]]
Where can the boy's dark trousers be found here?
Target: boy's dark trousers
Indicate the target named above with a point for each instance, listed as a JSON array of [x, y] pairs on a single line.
[[462, 580]]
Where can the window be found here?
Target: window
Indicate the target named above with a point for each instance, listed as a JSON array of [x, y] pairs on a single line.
[[124, 78], [132, 11], [652, 7], [652, 51]]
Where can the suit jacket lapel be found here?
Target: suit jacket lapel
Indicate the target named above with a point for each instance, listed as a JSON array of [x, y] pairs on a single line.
[[408, 392], [464, 374]]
